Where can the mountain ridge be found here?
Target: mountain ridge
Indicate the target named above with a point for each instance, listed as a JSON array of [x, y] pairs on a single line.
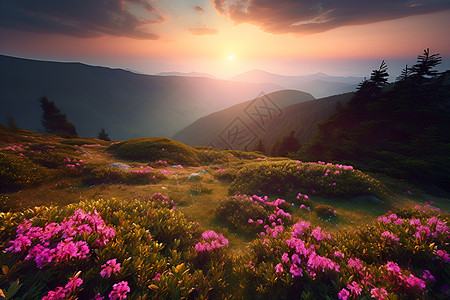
[[126, 104]]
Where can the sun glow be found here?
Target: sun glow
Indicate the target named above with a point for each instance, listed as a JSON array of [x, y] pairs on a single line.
[[230, 57]]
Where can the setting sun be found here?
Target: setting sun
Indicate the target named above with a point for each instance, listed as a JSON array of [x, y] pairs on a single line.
[[230, 57]]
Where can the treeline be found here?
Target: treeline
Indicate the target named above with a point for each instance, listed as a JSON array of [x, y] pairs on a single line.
[[401, 129], [55, 122]]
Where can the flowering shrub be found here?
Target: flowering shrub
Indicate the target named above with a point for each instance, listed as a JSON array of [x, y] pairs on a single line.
[[387, 260], [17, 171], [114, 175], [154, 149], [279, 177], [325, 211], [151, 255], [211, 241], [253, 214]]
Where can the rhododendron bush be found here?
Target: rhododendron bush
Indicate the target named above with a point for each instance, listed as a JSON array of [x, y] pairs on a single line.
[[112, 249]]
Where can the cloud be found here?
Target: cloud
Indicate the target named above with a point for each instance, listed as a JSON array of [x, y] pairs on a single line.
[[81, 18], [198, 8], [203, 30], [313, 16]]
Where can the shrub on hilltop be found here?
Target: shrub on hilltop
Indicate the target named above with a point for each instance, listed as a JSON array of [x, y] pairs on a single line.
[[153, 149], [278, 177]]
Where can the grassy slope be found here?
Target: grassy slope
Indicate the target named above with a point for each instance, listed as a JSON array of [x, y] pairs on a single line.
[[197, 199]]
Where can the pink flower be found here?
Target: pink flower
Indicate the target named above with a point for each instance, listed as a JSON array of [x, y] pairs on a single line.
[[443, 255], [319, 235], [427, 276], [250, 220], [355, 263], [354, 288], [285, 258], [343, 294], [379, 293], [388, 236], [393, 267], [119, 291], [157, 277], [296, 271], [110, 268], [279, 268], [338, 254]]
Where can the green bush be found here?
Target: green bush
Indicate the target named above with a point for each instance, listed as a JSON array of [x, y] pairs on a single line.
[[235, 212], [155, 247], [153, 149], [278, 177], [114, 175], [18, 172], [325, 211]]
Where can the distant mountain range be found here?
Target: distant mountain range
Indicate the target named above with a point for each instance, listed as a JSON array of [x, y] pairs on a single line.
[[190, 74], [319, 84], [126, 104], [267, 117]]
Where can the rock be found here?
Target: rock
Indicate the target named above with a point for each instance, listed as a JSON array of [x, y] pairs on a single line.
[[120, 166], [202, 172], [194, 176]]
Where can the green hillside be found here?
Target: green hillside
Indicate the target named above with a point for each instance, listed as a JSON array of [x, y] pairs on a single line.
[[152, 218]]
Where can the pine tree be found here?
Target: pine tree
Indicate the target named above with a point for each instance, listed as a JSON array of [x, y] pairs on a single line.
[[404, 75], [102, 135], [54, 121], [12, 123], [285, 145], [259, 147], [423, 69]]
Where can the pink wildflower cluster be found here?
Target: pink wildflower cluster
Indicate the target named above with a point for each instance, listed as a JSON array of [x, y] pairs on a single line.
[[160, 198], [389, 237], [403, 280], [211, 241], [354, 289], [305, 256], [302, 198], [55, 242], [119, 291], [66, 291], [344, 167], [73, 163], [421, 229], [221, 170], [161, 162], [142, 170], [167, 172], [91, 146], [442, 254], [110, 268], [274, 224], [14, 148]]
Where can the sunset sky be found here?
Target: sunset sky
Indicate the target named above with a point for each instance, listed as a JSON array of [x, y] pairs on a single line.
[[224, 38]]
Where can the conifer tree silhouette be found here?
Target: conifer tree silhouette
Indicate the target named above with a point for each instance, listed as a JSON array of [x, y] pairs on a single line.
[[54, 121]]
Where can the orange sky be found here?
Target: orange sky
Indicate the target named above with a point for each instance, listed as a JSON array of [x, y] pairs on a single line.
[[195, 36]]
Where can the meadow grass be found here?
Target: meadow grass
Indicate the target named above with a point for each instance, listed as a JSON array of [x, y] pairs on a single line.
[[358, 199]]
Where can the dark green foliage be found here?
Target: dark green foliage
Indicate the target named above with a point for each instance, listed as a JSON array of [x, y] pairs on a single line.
[[236, 211], [285, 145], [12, 123], [17, 172], [114, 175], [277, 177], [54, 121], [154, 149], [325, 211], [259, 147], [402, 130], [102, 135]]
